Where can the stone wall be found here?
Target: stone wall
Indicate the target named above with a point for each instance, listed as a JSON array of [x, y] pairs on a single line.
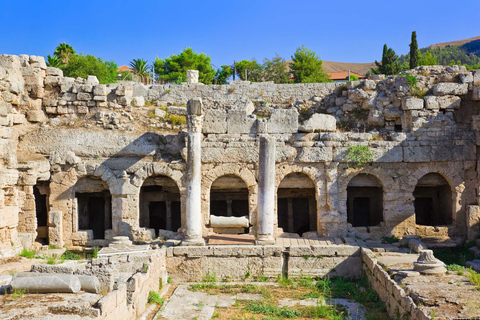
[[398, 303], [59, 131], [247, 263]]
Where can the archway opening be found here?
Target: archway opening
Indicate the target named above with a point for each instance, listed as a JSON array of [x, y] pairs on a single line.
[[229, 198], [433, 201], [40, 193], [297, 204], [94, 206], [364, 201], [160, 204]]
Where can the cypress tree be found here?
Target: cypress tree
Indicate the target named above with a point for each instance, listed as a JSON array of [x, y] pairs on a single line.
[[414, 51]]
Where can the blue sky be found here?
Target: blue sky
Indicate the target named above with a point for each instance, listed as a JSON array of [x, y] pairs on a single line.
[[346, 31]]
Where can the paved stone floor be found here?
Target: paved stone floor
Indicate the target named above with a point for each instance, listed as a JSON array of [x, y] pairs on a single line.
[[185, 304]]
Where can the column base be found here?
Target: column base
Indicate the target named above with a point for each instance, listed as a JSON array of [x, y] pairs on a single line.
[[193, 242], [265, 241]]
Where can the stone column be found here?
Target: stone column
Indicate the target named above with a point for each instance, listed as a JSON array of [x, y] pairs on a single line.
[[168, 207], [266, 191], [193, 233]]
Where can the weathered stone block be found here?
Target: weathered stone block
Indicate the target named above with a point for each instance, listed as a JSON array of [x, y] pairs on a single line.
[[412, 103], [476, 93], [283, 121], [448, 88], [84, 96], [315, 154], [319, 122], [238, 122], [36, 116]]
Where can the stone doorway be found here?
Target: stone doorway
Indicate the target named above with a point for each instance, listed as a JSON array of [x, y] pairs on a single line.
[[160, 207], [229, 198], [364, 201], [94, 206], [297, 204], [40, 193], [433, 201]]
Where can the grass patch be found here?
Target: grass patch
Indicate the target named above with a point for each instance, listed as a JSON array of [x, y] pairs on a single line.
[[390, 240], [458, 255], [30, 254], [474, 278], [268, 309], [51, 260], [17, 293], [154, 298], [176, 120]]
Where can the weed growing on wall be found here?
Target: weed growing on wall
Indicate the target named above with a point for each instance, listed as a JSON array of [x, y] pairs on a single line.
[[360, 156]]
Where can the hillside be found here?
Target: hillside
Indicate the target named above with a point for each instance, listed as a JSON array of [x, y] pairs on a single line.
[[453, 43], [333, 66]]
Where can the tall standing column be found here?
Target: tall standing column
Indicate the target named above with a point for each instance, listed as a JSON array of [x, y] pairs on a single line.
[[193, 234], [266, 191]]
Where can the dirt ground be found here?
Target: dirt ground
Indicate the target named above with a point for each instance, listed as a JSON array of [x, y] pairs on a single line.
[[17, 264]]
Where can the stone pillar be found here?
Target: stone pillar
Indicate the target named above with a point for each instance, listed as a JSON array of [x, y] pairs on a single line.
[[291, 227], [168, 207], [192, 76], [193, 233], [55, 228], [266, 191]]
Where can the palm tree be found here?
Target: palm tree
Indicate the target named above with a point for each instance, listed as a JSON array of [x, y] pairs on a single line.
[[140, 67], [64, 51], [54, 61]]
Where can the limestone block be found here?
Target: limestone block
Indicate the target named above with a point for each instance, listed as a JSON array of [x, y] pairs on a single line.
[[412, 103], [8, 216], [55, 228], [36, 116], [376, 118], [473, 222], [357, 95], [52, 81], [476, 93], [124, 91], [5, 132], [215, 121], [84, 96], [283, 121], [5, 108], [466, 77], [100, 90], [138, 102], [240, 122], [442, 102], [448, 88], [54, 72], [48, 283], [319, 122], [160, 113], [192, 76], [38, 62], [244, 105], [92, 80], [233, 222], [177, 110], [99, 98], [417, 154], [315, 154], [89, 283]]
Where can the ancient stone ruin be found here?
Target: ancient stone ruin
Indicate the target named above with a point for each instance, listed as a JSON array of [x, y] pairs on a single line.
[[84, 162]]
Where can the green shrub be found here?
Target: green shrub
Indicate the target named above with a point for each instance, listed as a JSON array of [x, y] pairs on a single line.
[[176, 120], [411, 80], [154, 297], [51, 260], [352, 78], [30, 254], [359, 155]]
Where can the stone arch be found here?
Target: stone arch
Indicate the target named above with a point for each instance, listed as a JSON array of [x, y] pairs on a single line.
[[316, 199], [452, 177], [212, 173], [365, 201], [137, 181], [92, 206]]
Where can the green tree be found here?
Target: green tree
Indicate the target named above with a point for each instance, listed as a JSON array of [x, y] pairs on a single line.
[[352, 78], [84, 66], [253, 69], [223, 74], [175, 66], [389, 65], [64, 51], [140, 67], [428, 59], [54, 61], [414, 55], [307, 67], [275, 70]]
